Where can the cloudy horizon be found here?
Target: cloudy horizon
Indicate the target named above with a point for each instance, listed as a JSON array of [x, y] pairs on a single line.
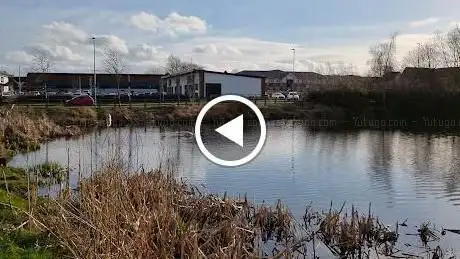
[[235, 36]]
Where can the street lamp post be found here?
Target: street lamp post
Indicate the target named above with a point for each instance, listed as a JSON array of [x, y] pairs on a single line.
[[293, 67], [94, 70], [293, 60]]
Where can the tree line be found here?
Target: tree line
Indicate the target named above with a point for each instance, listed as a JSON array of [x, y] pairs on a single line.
[[441, 50]]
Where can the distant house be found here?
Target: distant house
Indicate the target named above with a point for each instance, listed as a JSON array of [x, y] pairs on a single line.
[[4, 82], [278, 80]]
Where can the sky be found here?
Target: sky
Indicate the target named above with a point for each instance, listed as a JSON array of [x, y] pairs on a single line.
[[219, 35]]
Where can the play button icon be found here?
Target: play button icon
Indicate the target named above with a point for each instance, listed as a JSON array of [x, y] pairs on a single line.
[[233, 130], [231, 133]]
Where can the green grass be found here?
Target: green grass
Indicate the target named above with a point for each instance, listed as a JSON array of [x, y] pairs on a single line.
[[15, 179], [26, 242]]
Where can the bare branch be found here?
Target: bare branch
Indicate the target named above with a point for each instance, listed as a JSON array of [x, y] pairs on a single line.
[[382, 58], [426, 55], [440, 41], [453, 46], [42, 61], [115, 64], [174, 65]]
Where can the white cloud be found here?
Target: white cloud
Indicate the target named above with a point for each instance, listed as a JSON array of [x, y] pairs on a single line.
[[19, 57], [173, 25], [425, 22], [112, 42], [63, 32], [71, 46], [144, 51]]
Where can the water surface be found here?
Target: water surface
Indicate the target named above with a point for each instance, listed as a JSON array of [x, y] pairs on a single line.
[[403, 175]]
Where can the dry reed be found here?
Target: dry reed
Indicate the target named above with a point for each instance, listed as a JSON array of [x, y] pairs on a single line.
[[151, 215]]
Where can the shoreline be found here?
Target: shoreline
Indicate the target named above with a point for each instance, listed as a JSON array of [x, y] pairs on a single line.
[[27, 127]]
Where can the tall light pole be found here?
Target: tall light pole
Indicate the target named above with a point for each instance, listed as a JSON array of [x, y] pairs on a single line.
[[94, 70], [293, 68], [19, 78], [419, 50]]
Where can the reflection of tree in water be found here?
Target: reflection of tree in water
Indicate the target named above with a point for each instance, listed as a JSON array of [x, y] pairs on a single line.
[[332, 147], [380, 146], [436, 166], [422, 161], [130, 148], [453, 174]]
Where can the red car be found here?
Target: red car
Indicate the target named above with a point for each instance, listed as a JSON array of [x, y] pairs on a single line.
[[82, 100]]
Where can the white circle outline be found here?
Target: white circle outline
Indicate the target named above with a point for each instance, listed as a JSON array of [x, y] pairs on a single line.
[[241, 161]]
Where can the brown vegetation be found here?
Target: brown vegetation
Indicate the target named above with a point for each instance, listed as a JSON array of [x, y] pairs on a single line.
[[151, 215], [23, 131]]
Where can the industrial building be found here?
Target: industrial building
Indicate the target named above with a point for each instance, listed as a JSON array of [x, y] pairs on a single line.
[[207, 84], [69, 81]]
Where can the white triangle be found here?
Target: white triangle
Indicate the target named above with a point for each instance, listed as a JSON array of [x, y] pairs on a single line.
[[233, 130]]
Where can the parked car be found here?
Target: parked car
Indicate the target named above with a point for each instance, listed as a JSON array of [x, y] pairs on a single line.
[[293, 96], [82, 100], [36, 93], [278, 96], [7, 94]]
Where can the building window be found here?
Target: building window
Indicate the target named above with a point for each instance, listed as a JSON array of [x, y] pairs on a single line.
[[190, 79]]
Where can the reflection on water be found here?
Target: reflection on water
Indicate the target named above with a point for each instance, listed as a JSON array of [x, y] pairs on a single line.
[[403, 175]]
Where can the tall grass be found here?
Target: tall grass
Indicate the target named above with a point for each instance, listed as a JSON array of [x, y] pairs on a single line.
[[151, 215]]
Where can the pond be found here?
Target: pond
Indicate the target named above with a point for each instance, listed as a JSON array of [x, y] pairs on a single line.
[[403, 175]]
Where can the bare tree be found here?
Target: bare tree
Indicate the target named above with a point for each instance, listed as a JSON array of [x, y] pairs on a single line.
[[412, 59], [115, 64], [174, 65], [426, 55], [382, 58], [440, 42], [453, 45], [42, 61], [429, 55]]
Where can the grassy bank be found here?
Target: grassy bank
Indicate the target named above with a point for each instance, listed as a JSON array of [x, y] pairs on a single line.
[[19, 235]]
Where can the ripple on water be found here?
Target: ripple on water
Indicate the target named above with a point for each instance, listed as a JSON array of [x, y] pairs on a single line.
[[402, 175]]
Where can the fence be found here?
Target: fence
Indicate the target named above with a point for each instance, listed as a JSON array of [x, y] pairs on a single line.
[[124, 100]]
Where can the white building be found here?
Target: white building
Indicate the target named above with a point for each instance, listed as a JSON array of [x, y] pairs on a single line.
[[205, 84], [4, 79]]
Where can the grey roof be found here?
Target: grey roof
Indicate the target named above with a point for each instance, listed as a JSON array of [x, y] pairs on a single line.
[[264, 73], [280, 74], [4, 73]]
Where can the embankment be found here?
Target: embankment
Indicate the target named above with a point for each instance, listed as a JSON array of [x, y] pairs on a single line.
[[24, 128]]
